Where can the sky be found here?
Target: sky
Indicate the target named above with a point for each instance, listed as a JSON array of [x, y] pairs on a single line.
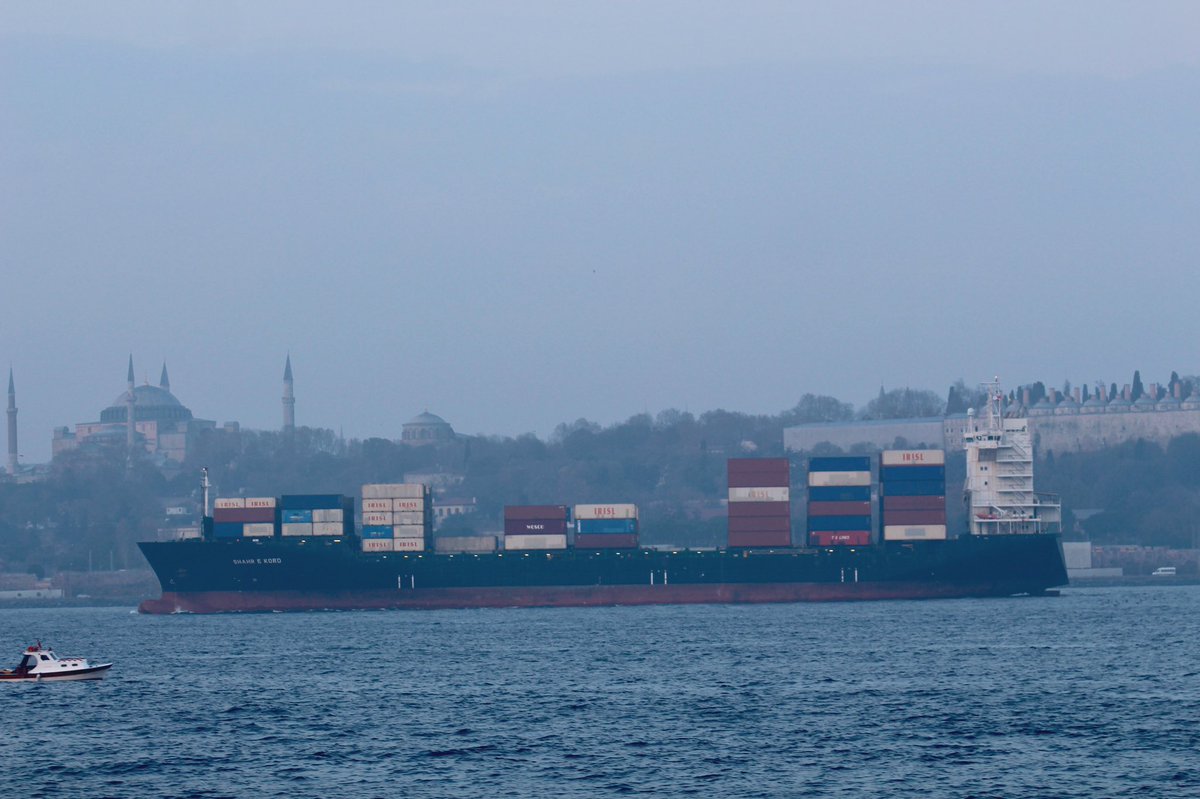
[[515, 215]]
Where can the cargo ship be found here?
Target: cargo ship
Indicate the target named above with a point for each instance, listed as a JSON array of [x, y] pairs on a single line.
[[866, 539]]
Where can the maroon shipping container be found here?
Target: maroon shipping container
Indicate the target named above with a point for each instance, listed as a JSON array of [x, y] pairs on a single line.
[[759, 480], [760, 539], [839, 509], [243, 515], [537, 512], [857, 538], [760, 524], [606, 541], [535, 526], [914, 503], [745, 465], [744, 509], [914, 517]]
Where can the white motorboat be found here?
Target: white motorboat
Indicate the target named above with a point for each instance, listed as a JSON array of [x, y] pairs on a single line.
[[40, 664]]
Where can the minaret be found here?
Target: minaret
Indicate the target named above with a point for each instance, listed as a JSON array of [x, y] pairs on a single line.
[[12, 425], [164, 382], [289, 397], [129, 400]]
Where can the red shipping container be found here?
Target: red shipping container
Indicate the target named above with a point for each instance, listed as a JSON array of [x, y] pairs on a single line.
[[745, 509], [243, 515], [606, 541], [538, 512], [535, 526], [839, 509], [914, 517], [759, 480], [760, 524], [744, 465], [760, 539], [914, 503], [858, 538]]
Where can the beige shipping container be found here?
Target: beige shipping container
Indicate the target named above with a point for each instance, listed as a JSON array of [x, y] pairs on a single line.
[[377, 505], [377, 545], [329, 515], [393, 490], [408, 544], [535, 542], [913, 457], [230, 502], [408, 531], [622, 511], [260, 502], [258, 529], [902, 532], [328, 528], [833, 479], [408, 504], [765, 494], [296, 528], [376, 518], [465, 543], [408, 517]]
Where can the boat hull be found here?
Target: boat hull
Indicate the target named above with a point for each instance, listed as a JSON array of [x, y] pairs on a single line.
[[90, 673], [216, 577]]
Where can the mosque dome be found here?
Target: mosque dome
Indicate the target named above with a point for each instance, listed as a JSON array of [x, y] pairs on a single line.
[[426, 428]]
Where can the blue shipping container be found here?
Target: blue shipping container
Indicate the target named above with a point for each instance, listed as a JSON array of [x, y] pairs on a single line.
[[824, 524], [844, 464], [605, 526], [913, 488], [376, 531], [227, 530], [311, 502], [839, 494], [296, 516], [911, 473]]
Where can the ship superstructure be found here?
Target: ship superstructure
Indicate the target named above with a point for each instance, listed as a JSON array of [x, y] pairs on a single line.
[[1000, 495]]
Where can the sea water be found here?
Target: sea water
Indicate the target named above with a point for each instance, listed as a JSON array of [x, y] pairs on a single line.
[[1094, 693]]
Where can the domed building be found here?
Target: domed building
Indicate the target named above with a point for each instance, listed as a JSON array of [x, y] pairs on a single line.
[[162, 425], [426, 428]]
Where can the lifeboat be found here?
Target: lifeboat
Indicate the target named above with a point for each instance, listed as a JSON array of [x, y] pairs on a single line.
[[40, 664]]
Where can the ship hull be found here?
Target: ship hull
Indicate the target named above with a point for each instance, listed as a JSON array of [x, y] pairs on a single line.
[[264, 576]]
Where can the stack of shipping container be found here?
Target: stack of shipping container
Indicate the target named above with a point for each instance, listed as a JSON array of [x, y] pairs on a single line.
[[238, 517], [536, 526], [396, 517], [760, 508], [839, 501], [912, 484], [304, 515], [606, 526]]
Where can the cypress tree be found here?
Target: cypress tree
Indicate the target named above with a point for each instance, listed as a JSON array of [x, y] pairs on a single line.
[[1138, 389]]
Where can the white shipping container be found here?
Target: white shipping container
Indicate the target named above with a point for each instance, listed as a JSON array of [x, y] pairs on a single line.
[[408, 544], [296, 528], [328, 528], [393, 490], [903, 532], [766, 494], [535, 542], [913, 457], [408, 531], [260, 502], [622, 511], [329, 515], [230, 502], [465, 543], [376, 518], [377, 505], [377, 545], [831, 479], [408, 504], [258, 529], [408, 517]]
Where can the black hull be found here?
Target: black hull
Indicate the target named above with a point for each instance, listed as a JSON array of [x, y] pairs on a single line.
[[277, 574]]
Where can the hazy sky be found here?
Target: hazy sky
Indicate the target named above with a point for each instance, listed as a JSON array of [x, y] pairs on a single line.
[[516, 216]]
